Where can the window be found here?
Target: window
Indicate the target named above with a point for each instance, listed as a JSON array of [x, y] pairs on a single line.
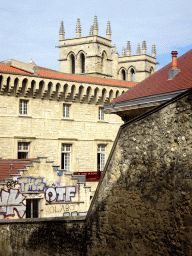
[[66, 157], [23, 150], [100, 157], [23, 108], [66, 110], [123, 75], [82, 56], [72, 64], [132, 73], [32, 208], [101, 114]]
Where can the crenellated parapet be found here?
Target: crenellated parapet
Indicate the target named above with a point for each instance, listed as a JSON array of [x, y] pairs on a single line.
[[28, 86]]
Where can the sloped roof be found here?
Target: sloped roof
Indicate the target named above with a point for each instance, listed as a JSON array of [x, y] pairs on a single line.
[[50, 73], [159, 82], [11, 166]]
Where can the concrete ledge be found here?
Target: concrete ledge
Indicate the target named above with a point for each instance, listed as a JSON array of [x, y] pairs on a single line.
[[37, 220]]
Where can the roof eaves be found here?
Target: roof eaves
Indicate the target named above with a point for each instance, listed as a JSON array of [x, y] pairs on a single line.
[[116, 107]]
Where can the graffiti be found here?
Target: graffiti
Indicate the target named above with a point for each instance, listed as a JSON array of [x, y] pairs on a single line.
[[29, 184], [59, 173], [61, 208], [11, 184], [60, 194], [12, 200], [50, 183]]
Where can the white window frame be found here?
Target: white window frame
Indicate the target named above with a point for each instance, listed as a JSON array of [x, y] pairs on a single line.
[[23, 147], [66, 156], [101, 150], [101, 114], [23, 107], [66, 110]]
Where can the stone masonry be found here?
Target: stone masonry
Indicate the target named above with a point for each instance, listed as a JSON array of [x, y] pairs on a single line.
[[142, 205]]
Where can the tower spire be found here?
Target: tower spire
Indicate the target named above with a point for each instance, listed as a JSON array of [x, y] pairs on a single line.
[[138, 49], [78, 28], [128, 48], [144, 47], [91, 31], [123, 52], [61, 32], [154, 51], [108, 31], [95, 26]]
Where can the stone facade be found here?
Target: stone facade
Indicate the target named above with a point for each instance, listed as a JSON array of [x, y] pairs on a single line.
[[43, 190], [142, 205], [91, 55]]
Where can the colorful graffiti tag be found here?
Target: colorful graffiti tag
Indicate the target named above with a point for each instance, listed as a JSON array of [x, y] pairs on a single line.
[[29, 184], [60, 194], [12, 200]]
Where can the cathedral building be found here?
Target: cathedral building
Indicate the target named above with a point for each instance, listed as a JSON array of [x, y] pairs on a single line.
[[58, 115]]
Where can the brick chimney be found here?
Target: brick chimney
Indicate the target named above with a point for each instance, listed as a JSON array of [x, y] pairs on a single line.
[[174, 68]]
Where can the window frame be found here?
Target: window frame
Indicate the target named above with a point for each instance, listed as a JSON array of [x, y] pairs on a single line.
[[23, 149], [101, 114], [101, 154], [66, 156], [66, 110], [30, 211], [23, 107]]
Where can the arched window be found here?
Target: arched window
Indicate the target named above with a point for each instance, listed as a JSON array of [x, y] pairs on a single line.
[[103, 62], [72, 57], [132, 73], [82, 59], [123, 75], [151, 71]]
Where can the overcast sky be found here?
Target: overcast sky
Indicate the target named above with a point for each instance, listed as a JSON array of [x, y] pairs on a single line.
[[30, 28]]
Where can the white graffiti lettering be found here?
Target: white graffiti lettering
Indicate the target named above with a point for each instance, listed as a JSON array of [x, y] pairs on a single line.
[[60, 194], [30, 184], [12, 200]]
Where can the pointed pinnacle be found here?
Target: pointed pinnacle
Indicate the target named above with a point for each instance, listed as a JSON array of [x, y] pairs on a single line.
[[144, 45], [108, 31], [95, 23], [61, 30], [123, 52], [78, 26], [138, 49], [128, 46], [91, 31]]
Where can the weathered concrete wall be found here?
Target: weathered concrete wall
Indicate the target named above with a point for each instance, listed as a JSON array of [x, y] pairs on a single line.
[[43, 237], [142, 205]]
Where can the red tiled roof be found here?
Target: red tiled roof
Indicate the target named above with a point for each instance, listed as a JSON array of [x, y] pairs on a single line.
[[5, 169], [158, 83], [13, 69], [50, 73], [85, 79]]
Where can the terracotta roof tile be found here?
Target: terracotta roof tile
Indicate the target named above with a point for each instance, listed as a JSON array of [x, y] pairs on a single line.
[[5, 169], [86, 79], [158, 83], [50, 73], [13, 69]]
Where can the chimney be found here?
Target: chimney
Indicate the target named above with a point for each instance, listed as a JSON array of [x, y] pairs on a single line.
[[174, 68]]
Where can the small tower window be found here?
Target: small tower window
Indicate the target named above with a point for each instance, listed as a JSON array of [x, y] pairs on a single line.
[[72, 64], [123, 75], [132, 73], [82, 57]]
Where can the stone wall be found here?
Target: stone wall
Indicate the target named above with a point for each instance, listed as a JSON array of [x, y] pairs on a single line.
[[57, 236], [142, 205]]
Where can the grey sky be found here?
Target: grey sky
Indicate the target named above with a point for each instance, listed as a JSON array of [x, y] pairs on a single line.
[[30, 29]]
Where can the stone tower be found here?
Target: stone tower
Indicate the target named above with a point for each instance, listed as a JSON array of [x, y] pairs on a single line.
[[89, 55], [93, 55]]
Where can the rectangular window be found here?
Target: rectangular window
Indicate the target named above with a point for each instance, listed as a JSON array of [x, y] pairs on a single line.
[[100, 157], [23, 107], [32, 208], [101, 114], [66, 157], [23, 150], [66, 110]]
